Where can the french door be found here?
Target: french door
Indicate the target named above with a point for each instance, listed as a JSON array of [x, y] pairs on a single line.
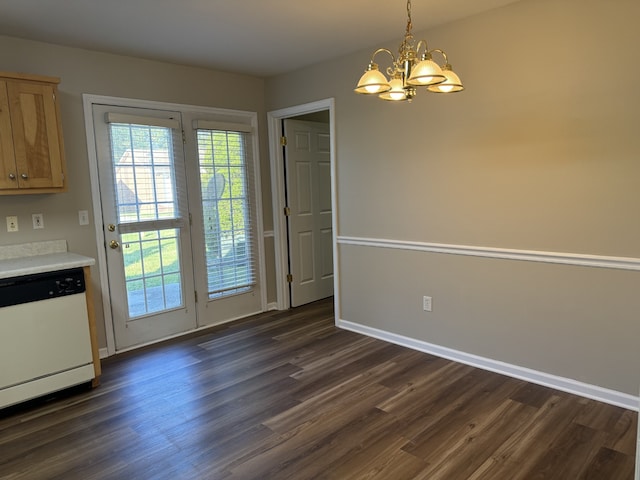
[[146, 222], [179, 196], [224, 202]]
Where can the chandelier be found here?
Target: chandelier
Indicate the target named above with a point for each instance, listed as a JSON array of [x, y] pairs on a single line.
[[406, 73]]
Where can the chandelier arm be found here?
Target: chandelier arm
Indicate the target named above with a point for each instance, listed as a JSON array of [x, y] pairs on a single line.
[[422, 44], [441, 52], [380, 50], [390, 70]]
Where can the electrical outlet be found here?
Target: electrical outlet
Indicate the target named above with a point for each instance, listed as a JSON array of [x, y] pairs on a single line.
[[427, 303], [38, 220], [83, 217], [12, 223]]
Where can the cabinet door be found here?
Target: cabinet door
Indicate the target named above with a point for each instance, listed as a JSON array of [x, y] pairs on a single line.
[[36, 136], [8, 177]]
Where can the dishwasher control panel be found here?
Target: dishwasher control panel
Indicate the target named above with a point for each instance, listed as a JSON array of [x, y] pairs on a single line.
[[41, 286], [70, 285]]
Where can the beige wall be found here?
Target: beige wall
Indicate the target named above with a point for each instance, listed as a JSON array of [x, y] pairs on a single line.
[[84, 71], [541, 152]]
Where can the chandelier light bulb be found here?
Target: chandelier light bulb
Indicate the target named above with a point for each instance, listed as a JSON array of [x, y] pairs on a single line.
[[372, 81], [450, 85], [427, 72], [397, 92], [373, 88]]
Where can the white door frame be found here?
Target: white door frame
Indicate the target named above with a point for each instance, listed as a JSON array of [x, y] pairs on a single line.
[[274, 122]]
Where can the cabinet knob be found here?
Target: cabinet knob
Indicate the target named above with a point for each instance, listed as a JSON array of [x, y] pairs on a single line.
[[24, 176], [12, 176]]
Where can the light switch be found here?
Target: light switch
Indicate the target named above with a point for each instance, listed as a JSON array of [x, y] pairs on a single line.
[[83, 217], [38, 220]]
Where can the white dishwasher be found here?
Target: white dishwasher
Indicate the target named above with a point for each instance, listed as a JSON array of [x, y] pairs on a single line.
[[45, 343]]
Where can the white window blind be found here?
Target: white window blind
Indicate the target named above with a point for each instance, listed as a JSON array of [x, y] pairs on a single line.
[[225, 161], [113, 117], [223, 126]]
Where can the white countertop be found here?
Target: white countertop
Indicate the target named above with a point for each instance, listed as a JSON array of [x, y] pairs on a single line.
[[39, 257], [52, 262]]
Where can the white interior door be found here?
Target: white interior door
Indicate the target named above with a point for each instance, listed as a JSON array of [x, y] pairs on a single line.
[[145, 217], [308, 181]]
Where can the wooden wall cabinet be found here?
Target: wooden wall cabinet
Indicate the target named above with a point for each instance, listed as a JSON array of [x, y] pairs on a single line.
[[31, 146]]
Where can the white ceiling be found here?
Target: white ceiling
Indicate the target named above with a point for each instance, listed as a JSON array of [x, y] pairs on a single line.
[[257, 37]]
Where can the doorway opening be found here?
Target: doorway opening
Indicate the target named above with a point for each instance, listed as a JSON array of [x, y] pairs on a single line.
[[308, 253]]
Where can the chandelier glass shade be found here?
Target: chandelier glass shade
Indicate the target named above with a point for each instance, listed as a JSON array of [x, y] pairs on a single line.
[[409, 71]]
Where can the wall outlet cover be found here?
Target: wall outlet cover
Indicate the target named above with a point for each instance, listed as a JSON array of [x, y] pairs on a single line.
[[12, 223]]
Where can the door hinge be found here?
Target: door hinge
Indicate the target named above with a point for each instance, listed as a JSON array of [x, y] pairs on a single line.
[[190, 219], [184, 137], [287, 211], [283, 141], [195, 294], [289, 278]]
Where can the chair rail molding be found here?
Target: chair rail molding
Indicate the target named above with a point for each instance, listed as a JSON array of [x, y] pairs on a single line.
[[585, 260]]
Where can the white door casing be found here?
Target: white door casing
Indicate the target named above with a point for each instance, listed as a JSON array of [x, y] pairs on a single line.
[[308, 172], [274, 123]]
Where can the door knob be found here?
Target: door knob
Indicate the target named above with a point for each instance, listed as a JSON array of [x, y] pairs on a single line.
[[114, 244]]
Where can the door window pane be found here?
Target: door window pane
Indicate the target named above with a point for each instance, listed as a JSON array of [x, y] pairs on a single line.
[[152, 271], [144, 175], [226, 211], [143, 172]]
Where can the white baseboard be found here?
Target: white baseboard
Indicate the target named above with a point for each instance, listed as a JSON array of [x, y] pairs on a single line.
[[272, 306], [104, 353], [568, 385]]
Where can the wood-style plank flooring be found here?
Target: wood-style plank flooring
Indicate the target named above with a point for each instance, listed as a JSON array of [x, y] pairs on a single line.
[[286, 395]]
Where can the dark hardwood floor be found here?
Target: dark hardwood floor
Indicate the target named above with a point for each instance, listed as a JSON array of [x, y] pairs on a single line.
[[286, 395]]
